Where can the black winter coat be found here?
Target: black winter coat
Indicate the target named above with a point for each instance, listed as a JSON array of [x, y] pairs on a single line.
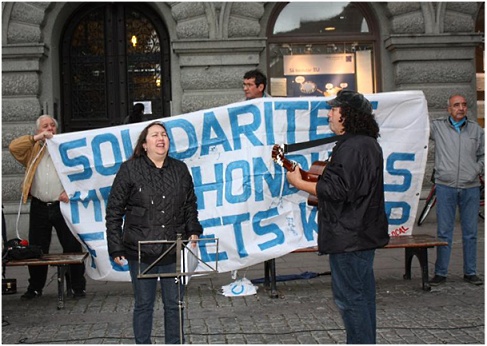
[[157, 203], [351, 198]]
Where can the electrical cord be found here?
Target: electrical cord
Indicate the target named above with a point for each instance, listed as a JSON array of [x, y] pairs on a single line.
[[22, 194]]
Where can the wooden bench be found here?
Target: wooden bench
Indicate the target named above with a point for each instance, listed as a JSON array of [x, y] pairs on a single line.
[[61, 260], [414, 245]]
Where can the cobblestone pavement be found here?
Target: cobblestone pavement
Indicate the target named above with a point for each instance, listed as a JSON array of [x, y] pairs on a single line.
[[304, 313]]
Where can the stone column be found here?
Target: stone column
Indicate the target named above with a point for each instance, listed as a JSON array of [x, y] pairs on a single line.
[[212, 70], [216, 43], [20, 109]]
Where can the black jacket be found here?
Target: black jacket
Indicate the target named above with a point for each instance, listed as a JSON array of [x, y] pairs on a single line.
[[351, 198], [157, 203]]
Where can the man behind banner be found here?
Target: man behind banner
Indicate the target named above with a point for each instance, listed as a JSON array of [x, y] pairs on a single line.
[[254, 84], [351, 212], [42, 183]]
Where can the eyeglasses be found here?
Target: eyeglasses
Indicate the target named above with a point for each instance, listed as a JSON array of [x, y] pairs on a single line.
[[248, 85]]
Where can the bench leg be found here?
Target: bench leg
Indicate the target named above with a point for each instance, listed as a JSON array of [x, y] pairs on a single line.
[[67, 274], [408, 259], [61, 272], [422, 255], [270, 277], [274, 293], [267, 283]]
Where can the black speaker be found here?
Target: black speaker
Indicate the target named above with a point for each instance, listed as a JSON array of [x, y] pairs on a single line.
[[9, 286]]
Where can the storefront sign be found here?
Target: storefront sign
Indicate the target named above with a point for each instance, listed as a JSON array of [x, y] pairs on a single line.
[[319, 74]]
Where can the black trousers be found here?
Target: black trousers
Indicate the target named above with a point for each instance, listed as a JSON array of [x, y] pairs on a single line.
[[43, 217]]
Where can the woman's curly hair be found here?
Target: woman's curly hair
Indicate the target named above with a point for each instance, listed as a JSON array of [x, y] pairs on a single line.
[[359, 123]]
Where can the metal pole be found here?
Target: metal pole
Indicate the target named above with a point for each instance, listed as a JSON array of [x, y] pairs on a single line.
[[179, 271]]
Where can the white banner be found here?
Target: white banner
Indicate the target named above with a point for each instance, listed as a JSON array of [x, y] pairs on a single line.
[[244, 199]]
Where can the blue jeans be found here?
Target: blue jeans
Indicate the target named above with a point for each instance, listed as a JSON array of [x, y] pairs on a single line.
[[353, 284], [468, 201], [145, 295]]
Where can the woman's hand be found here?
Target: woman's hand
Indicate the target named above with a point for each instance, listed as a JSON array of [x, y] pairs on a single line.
[[194, 239], [120, 260]]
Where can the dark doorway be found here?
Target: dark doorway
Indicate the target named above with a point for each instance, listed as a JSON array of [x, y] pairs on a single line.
[[113, 55], [480, 68]]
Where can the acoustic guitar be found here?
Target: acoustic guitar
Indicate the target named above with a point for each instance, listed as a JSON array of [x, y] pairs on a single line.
[[312, 175]]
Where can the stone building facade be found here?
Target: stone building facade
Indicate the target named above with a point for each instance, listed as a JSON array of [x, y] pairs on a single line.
[[430, 46]]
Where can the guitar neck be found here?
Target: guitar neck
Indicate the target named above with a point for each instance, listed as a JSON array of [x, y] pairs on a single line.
[[312, 175]]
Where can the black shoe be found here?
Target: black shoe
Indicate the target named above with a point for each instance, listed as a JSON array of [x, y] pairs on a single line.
[[31, 294], [79, 293], [437, 280], [473, 279]]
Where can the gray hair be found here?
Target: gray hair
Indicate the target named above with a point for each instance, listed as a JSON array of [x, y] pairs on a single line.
[[38, 121], [452, 96]]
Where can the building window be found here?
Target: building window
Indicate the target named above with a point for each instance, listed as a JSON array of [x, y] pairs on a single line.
[[317, 49]]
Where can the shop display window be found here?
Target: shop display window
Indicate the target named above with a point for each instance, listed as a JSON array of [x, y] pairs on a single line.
[[317, 49]]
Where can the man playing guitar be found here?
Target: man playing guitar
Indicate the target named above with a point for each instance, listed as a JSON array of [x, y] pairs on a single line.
[[352, 221]]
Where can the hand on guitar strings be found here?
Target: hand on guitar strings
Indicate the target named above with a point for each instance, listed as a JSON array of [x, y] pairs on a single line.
[[295, 178]]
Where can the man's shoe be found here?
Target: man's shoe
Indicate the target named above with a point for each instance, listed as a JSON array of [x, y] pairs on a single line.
[[437, 280], [473, 279], [79, 293], [31, 294]]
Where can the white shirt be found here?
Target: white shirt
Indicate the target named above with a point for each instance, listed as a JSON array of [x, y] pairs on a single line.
[[46, 185]]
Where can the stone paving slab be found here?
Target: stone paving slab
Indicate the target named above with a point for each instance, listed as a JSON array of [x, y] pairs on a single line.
[[304, 313]]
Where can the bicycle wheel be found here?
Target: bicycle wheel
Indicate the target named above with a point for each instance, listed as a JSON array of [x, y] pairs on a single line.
[[482, 208], [430, 202]]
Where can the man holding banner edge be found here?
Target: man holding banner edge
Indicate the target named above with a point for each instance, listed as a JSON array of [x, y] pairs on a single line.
[[42, 184]]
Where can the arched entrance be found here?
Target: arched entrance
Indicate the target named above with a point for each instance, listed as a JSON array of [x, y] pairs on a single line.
[[316, 49], [113, 55]]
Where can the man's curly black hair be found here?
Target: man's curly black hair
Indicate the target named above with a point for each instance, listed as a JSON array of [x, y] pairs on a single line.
[[359, 123]]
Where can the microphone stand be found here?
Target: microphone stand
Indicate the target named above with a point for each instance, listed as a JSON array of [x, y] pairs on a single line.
[[179, 269], [180, 273]]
